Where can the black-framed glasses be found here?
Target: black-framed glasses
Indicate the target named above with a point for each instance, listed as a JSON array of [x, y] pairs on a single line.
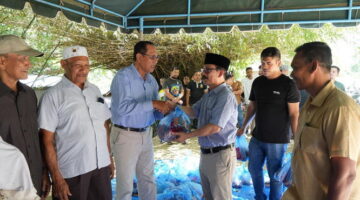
[[207, 70], [152, 57]]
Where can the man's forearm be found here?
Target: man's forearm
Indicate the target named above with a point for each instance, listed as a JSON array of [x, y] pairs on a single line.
[[169, 95], [107, 128], [294, 123], [51, 157], [249, 115], [342, 175], [206, 130], [187, 99]]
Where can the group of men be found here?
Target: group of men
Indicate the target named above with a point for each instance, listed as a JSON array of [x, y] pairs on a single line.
[[70, 137]]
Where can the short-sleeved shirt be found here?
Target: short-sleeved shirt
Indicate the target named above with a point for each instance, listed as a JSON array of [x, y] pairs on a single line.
[[328, 127], [339, 85], [247, 83], [197, 90], [18, 126], [271, 97], [77, 118], [14, 173], [218, 107], [174, 85]]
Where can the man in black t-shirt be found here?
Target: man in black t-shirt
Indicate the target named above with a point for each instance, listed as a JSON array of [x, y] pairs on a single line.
[[195, 89], [274, 99]]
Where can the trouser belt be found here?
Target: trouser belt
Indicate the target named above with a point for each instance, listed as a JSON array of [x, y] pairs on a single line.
[[215, 149], [131, 129]]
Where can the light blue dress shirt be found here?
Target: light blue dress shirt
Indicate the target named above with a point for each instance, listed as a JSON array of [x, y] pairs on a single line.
[[132, 96], [218, 107]]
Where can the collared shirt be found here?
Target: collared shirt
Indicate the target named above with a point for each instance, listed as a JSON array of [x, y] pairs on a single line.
[[18, 126], [328, 127], [339, 85], [77, 118], [217, 107], [247, 83], [132, 96]]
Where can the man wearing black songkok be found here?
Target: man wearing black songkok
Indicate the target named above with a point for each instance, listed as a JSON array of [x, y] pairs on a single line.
[[217, 118]]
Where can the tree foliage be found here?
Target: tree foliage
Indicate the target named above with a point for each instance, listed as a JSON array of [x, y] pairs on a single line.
[[113, 50]]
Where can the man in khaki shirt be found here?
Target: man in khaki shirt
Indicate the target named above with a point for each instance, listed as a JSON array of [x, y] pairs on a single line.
[[326, 162]]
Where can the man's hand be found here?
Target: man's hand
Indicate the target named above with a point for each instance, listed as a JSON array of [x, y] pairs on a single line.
[[240, 131], [61, 189], [45, 184], [163, 106], [112, 168], [180, 136]]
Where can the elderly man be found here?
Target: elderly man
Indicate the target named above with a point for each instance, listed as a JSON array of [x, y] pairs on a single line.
[[274, 99], [217, 117], [74, 122], [326, 161], [135, 108], [18, 125]]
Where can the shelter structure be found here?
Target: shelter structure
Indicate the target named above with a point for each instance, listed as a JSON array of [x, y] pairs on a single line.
[[195, 15]]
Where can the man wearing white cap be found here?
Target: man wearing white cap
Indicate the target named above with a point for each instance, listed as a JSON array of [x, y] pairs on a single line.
[[74, 123], [18, 125]]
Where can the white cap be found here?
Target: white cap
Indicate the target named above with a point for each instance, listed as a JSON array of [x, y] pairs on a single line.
[[74, 51]]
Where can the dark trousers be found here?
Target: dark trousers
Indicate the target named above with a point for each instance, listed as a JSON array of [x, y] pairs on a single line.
[[94, 185]]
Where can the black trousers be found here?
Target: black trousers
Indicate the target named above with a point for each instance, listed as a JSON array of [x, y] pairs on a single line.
[[94, 185]]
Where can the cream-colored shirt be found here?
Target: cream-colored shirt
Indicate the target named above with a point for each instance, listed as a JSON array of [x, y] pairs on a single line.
[[329, 126]]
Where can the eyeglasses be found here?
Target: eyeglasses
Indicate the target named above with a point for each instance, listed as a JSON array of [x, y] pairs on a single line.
[[152, 57], [207, 70]]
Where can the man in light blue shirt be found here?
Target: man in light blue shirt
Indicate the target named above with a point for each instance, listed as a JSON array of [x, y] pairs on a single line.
[[217, 118], [134, 109]]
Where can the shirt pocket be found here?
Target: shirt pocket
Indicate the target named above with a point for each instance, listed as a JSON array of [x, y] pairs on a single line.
[[99, 111], [311, 140]]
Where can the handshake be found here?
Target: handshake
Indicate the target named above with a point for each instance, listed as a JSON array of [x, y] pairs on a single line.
[[164, 106]]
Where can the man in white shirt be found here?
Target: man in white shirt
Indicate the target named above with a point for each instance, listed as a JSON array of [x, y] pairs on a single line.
[[15, 179], [247, 82], [74, 122]]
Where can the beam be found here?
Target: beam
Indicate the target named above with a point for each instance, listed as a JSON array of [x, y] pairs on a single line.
[[246, 24], [350, 9], [136, 7], [92, 7], [189, 12], [262, 11], [77, 12], [101, 8], [243, 13]]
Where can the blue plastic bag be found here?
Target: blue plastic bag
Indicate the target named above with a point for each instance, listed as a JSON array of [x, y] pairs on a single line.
[[176, 121], [242, 148]]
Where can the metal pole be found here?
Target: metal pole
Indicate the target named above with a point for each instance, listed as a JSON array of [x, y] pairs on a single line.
[[141, 28], [262, 11], [92, 7], [350, 9], [189, 12]]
